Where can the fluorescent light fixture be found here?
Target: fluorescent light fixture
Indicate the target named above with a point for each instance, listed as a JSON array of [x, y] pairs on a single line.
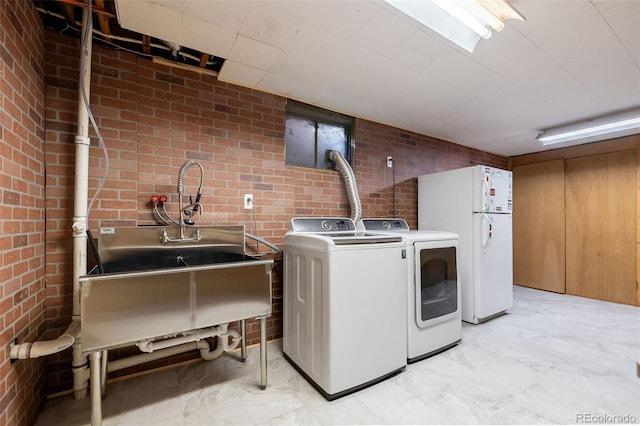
[[464, 22], [465, 16], [615, 125]]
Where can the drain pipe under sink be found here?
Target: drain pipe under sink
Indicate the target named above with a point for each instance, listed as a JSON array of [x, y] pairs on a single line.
[[131, 361], [222, 332]]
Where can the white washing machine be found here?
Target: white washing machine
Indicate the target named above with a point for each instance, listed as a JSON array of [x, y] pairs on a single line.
[[433, 289], [344, 304]]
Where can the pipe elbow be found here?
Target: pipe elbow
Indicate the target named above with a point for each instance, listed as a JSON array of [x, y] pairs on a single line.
[[206, 353], [227, 341], [47, 347]]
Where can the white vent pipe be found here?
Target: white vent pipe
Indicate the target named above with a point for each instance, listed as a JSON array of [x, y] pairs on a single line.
[[81, 191], [350, 184]]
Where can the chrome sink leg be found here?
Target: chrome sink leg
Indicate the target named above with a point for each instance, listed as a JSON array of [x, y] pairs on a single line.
[[103, 373], [96, 397], [263, 353], [243, 340]]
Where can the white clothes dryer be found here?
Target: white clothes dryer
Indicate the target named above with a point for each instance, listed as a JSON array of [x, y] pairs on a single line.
[[434, 321]]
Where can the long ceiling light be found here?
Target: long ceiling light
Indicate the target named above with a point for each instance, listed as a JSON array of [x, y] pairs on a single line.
[[615, 126], [464, 22]]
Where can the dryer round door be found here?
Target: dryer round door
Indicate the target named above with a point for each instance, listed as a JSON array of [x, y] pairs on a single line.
[[436, 282]]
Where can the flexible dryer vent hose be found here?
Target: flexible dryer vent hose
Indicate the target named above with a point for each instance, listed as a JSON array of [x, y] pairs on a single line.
[[350, 184]]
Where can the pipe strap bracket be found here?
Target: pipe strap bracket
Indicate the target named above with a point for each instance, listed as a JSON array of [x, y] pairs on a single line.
[[82, 140]]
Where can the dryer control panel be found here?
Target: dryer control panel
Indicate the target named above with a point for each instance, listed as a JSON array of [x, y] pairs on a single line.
[[385, 225]]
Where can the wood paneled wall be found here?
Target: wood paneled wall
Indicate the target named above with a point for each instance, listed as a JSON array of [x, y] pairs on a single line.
[[630, 143], [600, 193], [538, 226]]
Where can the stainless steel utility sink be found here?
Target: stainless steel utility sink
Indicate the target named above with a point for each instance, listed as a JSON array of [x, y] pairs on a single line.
[[149, 289]]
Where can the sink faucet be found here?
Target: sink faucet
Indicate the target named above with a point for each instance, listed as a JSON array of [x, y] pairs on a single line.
[[165, 238], [187, 213]]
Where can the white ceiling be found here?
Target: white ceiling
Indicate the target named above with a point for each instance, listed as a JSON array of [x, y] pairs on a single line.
[[570, 60]]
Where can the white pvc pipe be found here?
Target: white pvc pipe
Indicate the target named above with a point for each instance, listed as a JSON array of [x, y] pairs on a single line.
[[223, 345], [47, 347], [120, 364], [205, 351], [81, 193], [80, 372], [210, 355], [235, 340], [150, 346], [81, 190]]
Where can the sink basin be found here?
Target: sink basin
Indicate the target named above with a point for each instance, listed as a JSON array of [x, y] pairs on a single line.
[[149, 259]]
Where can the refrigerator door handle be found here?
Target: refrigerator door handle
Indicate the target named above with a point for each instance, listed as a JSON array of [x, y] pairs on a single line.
[[486, 230], [486, 194]]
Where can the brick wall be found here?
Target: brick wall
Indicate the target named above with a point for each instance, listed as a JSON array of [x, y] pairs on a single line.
[[22, 211], [413, 155], [153, 118]]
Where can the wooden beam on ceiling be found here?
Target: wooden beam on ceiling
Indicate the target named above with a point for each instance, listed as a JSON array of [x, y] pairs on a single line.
[[103, 20], [146, 44], [204, 58], [94, 8], [180, 65], [68, 13]]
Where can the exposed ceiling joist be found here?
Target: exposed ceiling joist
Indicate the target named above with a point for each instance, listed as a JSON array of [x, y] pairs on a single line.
[[103, 20]]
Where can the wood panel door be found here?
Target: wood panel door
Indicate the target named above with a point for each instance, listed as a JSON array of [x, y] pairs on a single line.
[[601, 226], [539, 225]]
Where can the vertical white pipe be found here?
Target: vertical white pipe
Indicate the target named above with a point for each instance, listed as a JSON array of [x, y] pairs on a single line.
[[79, 226], [80, 372]]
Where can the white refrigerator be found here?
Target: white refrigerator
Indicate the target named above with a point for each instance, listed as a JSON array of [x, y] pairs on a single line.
[[475, 203]]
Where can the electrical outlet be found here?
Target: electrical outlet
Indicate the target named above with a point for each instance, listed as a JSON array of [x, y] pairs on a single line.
[[389, 161], [248, 202]]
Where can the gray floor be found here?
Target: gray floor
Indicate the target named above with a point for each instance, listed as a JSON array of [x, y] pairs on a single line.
[[552, 359]]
